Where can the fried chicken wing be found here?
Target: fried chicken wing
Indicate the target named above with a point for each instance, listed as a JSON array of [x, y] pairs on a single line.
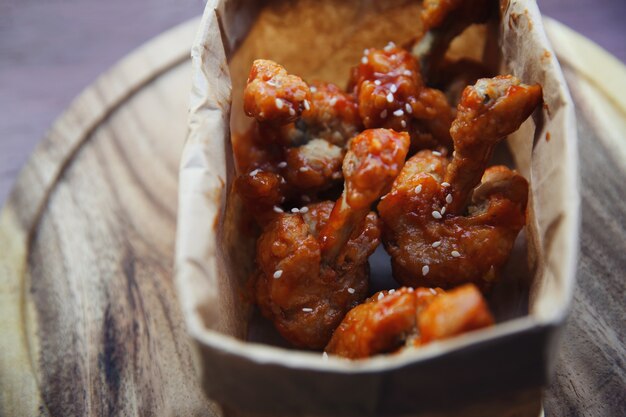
[[312, 265], [488, 111], [272, 95], [391, 94], [396, 319], [433, 236], [442, 21]]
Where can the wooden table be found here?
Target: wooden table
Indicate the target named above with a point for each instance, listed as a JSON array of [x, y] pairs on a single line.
[[591, 374]]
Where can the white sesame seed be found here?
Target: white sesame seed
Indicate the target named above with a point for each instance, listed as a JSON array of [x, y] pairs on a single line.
[[364, 60], [408, 73], [455, 253], [366, 51], [261, 114], [313, 89], [381, 295], [333, 101], [278, 273], [390, 98], [307, 106], [304, 169], [377, 82], [292, 112], [436, 153], [408, 108], [445, 184], [282, 164], [392, 291], [389, 46], [393, 88], [443, 210], [418, 189], [278, 209], [307, 309], [403, 123], [449, 198], [411, 289], [398, 113], [279, 103], [436, 214], [425, 270], [304, 210], [433, 291], [253, 173], [436, 244], [383, 114], [351, 290], [325, 356], [295, 210]]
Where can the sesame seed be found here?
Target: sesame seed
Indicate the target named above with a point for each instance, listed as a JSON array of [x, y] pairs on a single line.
[[445, 184], [295, 210], [436, 153], [278, 273], [307, 106], [261, 114], [408, 73], [398, 113], [351, 290], [393, 88], [449, 198], [433, 291], [389, 46], [304, 169], [411, 289], [292, 112], [381, 295], [392, 291], [377, 82], [383, 114], [313, 89], [366, 51], [436, 244], [408, 108], [425, 270], [282, 164], [418, 189], [279, 103], [253, 173], [390, 98], [443, 210], [455, 253], [307, 309], [436, 214], [278, 209], [333, 101], [364, 60], [325, 356], [304, 209], [403, 123]]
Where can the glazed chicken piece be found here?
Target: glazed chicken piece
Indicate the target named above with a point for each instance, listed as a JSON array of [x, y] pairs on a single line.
[[442, 21], [396, 319], [391, 94], [298, 143], [312, 264], [434, 234]]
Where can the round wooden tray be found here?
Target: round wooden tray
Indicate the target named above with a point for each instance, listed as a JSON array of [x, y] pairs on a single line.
[[88, 312]]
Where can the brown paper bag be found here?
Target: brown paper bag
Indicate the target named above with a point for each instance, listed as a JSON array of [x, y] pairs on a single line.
[[497, 371]]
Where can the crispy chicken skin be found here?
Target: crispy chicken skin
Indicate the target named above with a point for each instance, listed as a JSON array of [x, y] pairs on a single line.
[[390, 94], [391, 320], [312, 265], [435, 235]]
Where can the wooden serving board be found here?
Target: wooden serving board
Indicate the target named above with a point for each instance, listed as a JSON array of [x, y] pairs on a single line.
[[89, 322]]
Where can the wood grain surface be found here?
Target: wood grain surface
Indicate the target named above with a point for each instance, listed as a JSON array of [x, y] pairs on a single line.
[[88, 312]]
